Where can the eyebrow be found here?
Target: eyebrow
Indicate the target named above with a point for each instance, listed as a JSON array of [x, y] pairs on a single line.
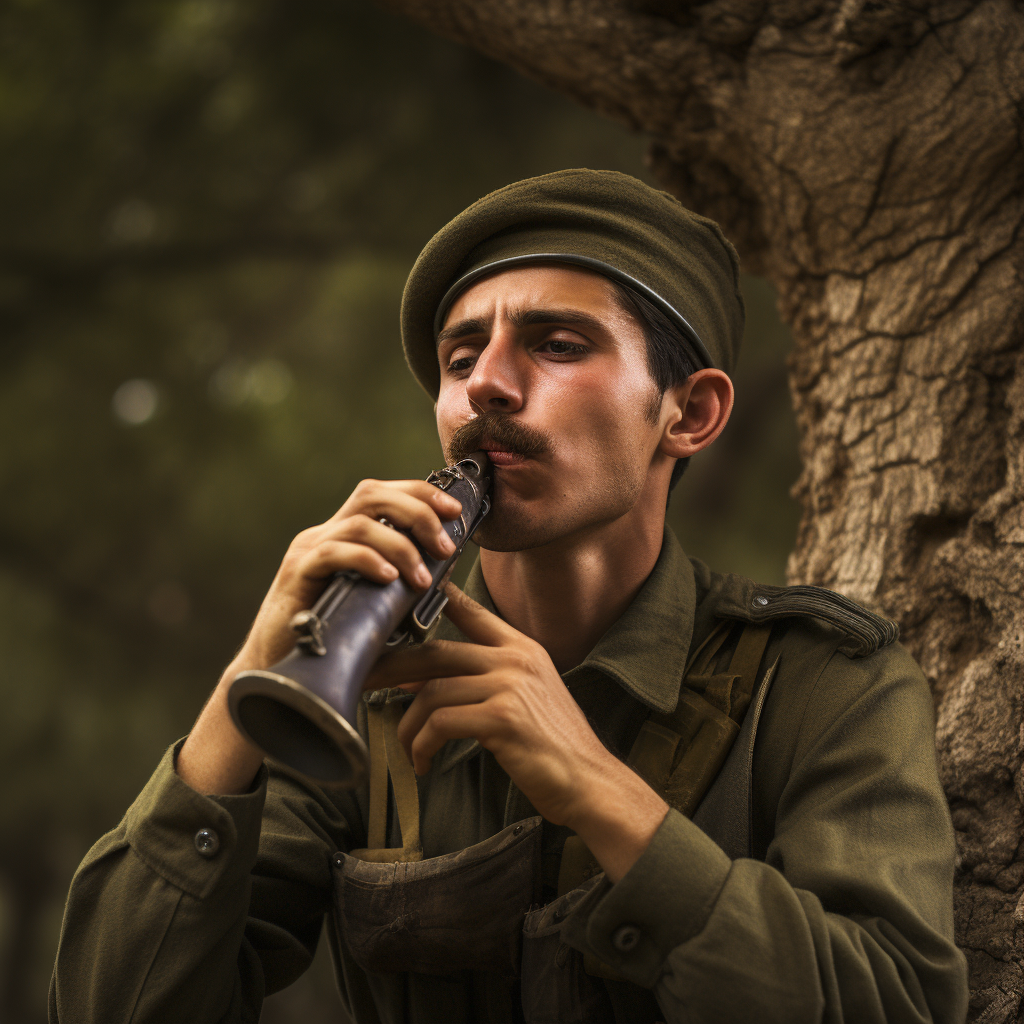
[[521, 318]]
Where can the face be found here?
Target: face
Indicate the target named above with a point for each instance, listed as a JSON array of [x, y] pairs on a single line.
[[542, 368]]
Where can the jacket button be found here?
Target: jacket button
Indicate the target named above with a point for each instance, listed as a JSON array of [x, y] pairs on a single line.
[[207, 842], [626, 938], [339, 860], [760, 601]]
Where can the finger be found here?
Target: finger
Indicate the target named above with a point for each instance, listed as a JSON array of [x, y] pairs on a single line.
[[475, 621], [396, 547], [412, 505], [331, 556], [447, 505], [461, 721], [412, 688], [438, 693], [436, 659], [417, 516]]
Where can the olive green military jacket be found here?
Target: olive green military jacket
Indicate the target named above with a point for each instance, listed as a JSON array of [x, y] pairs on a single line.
[[195, 907]]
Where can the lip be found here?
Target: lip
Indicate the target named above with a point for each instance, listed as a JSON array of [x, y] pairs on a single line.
[[503, 459]]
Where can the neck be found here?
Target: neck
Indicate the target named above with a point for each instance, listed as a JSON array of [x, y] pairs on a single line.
[[565, 595]]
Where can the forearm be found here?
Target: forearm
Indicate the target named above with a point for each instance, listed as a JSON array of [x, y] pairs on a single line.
[[193, 931], [618, 816], [792, 962], [849, 917], [773, 950], [166, 912], [216, 758]]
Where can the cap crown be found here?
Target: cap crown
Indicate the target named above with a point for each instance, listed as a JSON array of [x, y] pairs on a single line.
[[604, 221]]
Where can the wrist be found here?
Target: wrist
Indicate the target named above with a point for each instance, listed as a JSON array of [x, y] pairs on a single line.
[[215, 757], [617, 815]]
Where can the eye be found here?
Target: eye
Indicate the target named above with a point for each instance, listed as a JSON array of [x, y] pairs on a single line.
[[461, 359], [561, 347]]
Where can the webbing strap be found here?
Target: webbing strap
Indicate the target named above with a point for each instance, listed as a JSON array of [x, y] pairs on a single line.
[[681, 753], [709, 647], [745, 662], [654, 756], [387, 757], [708, 723], [403, 781], [378, 810], [713, 736]]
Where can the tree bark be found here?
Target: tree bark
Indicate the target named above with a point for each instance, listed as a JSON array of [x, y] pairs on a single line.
[[865, 156]]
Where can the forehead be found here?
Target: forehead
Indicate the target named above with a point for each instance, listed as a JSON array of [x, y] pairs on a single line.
[[538, 286]]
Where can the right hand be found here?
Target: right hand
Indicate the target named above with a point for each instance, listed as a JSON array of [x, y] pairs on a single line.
[[353, 538], [216, 758]]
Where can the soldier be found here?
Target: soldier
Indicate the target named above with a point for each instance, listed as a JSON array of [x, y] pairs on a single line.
[[639, 790]]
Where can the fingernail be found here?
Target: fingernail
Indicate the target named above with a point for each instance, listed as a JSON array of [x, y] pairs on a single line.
[[390, 571], [423, 577], [447, 544]]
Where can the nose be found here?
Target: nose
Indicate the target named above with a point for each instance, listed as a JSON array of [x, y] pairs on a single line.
[[496, 381]]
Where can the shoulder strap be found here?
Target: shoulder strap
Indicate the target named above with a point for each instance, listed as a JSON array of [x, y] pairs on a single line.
[[680, 753], [387, 759], [862, 631]]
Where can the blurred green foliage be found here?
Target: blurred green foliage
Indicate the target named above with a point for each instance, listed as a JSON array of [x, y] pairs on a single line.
[[209, 209]]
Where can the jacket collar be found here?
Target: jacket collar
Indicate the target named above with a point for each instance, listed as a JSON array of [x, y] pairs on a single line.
[[644, 651]]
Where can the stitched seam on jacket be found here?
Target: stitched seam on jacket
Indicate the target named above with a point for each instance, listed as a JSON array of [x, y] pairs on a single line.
[[167, 930]]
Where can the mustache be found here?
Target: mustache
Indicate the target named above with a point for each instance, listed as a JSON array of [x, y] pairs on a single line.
[[501, 429]]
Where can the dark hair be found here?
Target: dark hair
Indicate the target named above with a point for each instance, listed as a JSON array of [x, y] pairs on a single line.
[[667, 358]]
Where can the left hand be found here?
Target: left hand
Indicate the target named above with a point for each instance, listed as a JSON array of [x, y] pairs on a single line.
[[503, 690]]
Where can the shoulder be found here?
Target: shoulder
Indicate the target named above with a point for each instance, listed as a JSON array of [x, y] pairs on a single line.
[[858, 631], [848, 721], [839, 668]]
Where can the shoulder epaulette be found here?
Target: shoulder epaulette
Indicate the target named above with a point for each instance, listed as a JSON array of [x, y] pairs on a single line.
[[743, 599]]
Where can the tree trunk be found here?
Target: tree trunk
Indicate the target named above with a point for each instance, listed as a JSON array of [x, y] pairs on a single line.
[[865, 157]]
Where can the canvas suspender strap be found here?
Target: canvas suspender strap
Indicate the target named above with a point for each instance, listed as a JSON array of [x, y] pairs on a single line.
[[746, 660], [383, 713], [700, 660], [680, 753], [376, 831]]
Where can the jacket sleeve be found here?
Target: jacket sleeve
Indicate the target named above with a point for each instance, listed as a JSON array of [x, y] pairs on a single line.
[[848, 919], [195, 907]]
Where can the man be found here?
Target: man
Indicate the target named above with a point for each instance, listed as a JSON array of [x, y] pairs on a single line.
[[565, 724]]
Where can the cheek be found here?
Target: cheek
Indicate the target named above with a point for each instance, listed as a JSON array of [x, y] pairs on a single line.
[[595, 414], [450, 412]]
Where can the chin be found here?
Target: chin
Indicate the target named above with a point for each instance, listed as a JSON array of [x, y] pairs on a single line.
[[509, 533], [516, 523], [511, 528]]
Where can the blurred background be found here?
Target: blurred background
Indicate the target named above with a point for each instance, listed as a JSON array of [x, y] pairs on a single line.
[[208, 211]]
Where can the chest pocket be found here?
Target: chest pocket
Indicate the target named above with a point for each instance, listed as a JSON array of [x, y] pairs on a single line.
[[463, 911]]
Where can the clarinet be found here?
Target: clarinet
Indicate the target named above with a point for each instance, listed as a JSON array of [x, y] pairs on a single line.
[[302, 711]]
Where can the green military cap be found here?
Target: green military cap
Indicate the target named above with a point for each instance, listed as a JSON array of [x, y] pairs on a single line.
[[600, 220]]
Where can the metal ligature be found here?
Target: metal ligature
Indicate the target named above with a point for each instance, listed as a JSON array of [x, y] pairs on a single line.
[[302, 711]]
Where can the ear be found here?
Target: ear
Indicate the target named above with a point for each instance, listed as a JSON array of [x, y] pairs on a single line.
[[697, 413]]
